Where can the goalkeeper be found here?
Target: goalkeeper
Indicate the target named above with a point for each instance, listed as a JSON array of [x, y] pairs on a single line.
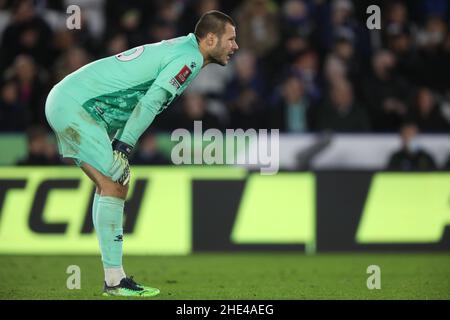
[[120, 96]]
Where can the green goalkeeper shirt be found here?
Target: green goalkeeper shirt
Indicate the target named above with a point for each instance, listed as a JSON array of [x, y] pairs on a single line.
[[127, 91]]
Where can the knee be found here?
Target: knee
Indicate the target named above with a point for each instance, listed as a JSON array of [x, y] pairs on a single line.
[[113, 189]]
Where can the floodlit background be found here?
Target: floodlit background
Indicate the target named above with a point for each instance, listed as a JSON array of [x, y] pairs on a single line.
[[364, 153]]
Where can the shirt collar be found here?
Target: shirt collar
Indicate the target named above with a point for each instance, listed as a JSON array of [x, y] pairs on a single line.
[[195, 43], [193, 39]]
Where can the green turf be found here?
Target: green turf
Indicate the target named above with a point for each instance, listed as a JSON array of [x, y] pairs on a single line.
[[237, 276]]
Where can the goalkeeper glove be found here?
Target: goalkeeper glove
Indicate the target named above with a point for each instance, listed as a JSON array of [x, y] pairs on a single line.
[[120, 169]]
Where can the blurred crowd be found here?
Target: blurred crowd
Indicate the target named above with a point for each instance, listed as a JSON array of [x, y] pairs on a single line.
[[303, 65]]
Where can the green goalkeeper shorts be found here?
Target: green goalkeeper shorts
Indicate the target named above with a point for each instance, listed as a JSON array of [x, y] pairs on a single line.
[[79, 135]]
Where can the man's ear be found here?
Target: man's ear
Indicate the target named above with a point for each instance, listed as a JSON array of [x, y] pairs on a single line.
[[211, 39]]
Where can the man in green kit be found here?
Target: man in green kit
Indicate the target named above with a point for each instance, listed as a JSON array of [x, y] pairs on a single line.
[[121, 95]]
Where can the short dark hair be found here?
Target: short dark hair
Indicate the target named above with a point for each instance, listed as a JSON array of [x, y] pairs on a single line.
[[212, 21]]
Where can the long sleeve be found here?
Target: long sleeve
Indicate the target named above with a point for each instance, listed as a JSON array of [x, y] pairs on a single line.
[[118, 134], [144, 113], [170, 83]]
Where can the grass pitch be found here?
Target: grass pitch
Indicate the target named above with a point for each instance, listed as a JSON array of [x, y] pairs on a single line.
[[237, 276]]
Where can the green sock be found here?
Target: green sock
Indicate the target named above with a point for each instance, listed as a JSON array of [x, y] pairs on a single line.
[[94, 209], [110, 230]]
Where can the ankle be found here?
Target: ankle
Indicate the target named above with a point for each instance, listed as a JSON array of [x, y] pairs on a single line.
[[113, 276]]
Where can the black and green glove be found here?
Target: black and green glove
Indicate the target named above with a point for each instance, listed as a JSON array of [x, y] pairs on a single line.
[[120, 169]]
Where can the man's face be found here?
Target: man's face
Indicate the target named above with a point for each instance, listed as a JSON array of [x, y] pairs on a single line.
[[408, 133], [225, 47]]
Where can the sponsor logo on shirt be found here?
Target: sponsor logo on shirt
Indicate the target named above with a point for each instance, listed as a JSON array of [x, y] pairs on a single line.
[[174, 83]]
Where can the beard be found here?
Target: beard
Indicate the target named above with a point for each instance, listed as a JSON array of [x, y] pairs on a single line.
[[216, 55], [217, 61]]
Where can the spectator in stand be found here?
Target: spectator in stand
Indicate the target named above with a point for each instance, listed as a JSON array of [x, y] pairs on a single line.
[[126, 17], [245, 92], [247, 110], [41, 149], [336, 18], [341, 113], [397, 15], [72, 60], [131, 26], [341, 63], [116, 44], [193, 11], [385, 93], [298, 15], [411, 156], [161, 29], [148, 152], [194, 108], [434, 58], [31, 87], [258, 27], [247, 75], [27, 33], [307, 67], [399, 40], [283, 57], [427, 114], [14, 116], [400, 43], [293, 112]]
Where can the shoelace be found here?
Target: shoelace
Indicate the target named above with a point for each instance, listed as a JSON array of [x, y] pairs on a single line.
[[132, 284]]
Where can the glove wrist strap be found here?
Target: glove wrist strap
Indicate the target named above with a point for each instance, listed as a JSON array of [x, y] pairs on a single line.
[[122, 147]]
